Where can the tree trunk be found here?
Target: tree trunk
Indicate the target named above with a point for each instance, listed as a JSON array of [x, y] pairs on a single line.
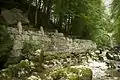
[[36, 11]]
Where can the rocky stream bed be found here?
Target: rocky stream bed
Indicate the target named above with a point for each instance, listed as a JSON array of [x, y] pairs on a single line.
[[99, 64], [104, 63]]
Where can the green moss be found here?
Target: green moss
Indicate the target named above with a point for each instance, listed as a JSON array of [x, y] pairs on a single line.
[[58, 74], [72, 73], [57, 56], [74, 77]]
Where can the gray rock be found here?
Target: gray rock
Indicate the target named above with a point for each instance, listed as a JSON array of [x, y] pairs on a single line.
[[25, 37], [25, 33], [17, 45], [60, 35], [31, 32], [56, 31], [12, 36], [15, 10], [39, 32], [42, 30], [60, 43], [18, 37], [13, 16], [8, 16], [35, 38], [14, 31], [16, 52]]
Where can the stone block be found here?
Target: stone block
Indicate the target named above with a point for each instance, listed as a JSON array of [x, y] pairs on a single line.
[[39, 32], [60, 34], [17, 44], [25, 37], [35, 38], [30, 32], [42, 30], [8, 17], [25, 33], [14, 31], [16, 52], [18, 37], [12, 36]]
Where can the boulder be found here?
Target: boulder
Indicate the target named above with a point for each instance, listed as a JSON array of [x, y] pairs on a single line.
[[13, 16], [72, 73]]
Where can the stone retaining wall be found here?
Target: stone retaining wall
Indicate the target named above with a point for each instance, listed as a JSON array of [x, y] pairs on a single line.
[[57, 41]]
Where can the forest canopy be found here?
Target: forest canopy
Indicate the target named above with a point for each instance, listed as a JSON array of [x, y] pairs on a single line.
[[85, 19]]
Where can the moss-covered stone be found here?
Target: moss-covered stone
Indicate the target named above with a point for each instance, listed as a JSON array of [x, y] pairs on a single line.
[[72, 73], [18, 71], [57, 55]]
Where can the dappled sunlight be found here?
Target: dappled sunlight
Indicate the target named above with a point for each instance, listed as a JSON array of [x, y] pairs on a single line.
[[59, 40]]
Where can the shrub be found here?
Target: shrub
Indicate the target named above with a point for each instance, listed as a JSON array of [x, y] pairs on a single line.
[[34, 52], [18, 71], [5, 41]]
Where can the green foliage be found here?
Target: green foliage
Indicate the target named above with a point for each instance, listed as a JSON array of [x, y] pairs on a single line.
[[57, 55], [33, 55], [115, 10], [85, 15], [5, 41], [101, 38], [19, 71], [83, 18], [117, 32], [34, 51], [30, 47]]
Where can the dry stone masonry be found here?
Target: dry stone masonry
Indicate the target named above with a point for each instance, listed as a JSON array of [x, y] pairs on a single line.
[[57, 41]]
